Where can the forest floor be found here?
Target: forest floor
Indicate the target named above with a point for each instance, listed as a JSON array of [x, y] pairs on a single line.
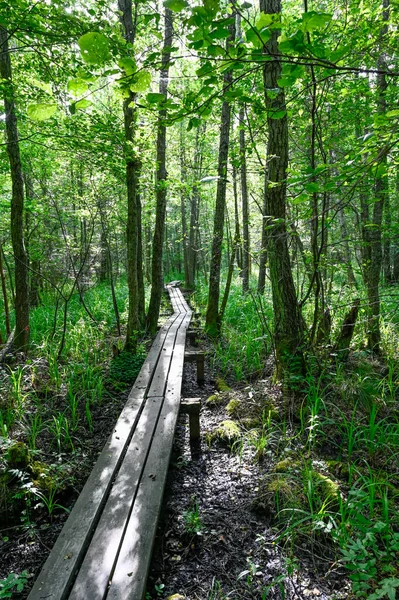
[[221, 534], [215, 541]]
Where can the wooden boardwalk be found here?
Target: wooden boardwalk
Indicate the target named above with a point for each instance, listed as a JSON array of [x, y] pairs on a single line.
[[104, 549]]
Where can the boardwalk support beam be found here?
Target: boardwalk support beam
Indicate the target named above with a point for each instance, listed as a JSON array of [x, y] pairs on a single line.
[[199, 358], [192, 406]]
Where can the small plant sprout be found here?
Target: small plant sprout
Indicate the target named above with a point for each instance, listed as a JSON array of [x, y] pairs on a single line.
[[192, 519]]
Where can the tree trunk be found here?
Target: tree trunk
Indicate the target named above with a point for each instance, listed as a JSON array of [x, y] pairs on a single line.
[[212, 325], [160, 216], [380, 192], [347, 252], [264, 241], [288, 322], [128, 21], [5, 297], [342, 345], [183, 199], [21, 338], [245, 212]]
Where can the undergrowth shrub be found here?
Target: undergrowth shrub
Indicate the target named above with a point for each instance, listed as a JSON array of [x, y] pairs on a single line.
[[125, 367]]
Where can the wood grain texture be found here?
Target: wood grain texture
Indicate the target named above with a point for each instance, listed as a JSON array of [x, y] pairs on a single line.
[[113, 522]]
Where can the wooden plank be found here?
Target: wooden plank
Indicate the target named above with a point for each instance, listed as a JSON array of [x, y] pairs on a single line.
[[96, 569], [57, 573], [130, 576]]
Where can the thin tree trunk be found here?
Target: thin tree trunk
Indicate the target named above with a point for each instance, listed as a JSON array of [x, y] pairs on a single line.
[[380, 193], [5, 297], [245, 211], [140, 273], [129, 21], [264, 241], [183, 198], [288, 322], [347, 252], [21, 338], [212, 325], [159, 230], [237, 234]]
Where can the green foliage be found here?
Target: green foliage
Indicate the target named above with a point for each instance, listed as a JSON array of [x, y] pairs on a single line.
[[125, 367], [141, 81], [192, 519], [176, 5], [42, 111], [94, 48], [13, 583]]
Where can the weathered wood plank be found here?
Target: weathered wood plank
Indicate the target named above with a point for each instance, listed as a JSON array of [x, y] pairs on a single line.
[[130, 576], [96, 569], [57, 574], [99, 519]]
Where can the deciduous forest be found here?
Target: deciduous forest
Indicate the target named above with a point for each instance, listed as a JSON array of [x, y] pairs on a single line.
[[247, 152]]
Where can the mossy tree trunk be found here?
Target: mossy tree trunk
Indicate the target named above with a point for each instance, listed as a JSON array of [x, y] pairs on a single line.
[[288, 322]]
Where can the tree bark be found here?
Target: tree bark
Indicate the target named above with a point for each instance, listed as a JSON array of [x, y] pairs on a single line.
[[288, 322], [161, 189], [373, 268], [212, 324], [21, 338], [5, 297], [245, 211], [128, 20], [350, 276], [183, 206]]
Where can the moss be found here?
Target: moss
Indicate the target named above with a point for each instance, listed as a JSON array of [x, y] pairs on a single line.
[[5, 492], [270, 410], [338, 469], [280, 497], [221, 385], [41, 476], [227, 432], [214, 400], [288, 464], [326, 489], [233, 407], [18, 455], [284, 492], [250, 422]]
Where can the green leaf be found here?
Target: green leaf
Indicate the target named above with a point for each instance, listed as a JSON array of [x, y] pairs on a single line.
[[392, 113], [312, 187], [176, 5], [77, 87], [220, 33], [141, 82], [41, 112], [154, 98], [312, 20], [269, 20], [82, 104], [128, 65], [214, 50], [277, 114], [193, 122], [94, 48]]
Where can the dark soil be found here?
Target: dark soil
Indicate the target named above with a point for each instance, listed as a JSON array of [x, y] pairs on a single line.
[[233, 553]]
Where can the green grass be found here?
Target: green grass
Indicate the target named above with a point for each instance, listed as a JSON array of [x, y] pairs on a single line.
[[245, 344]]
